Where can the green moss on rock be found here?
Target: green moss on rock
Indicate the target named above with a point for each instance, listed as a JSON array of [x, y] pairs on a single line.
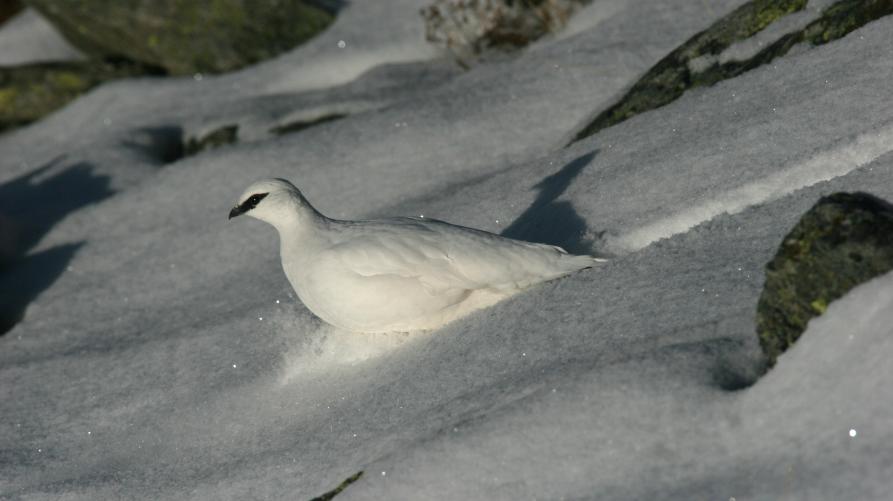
[[841, 242], [844, 17], [672, 75], [221, 136], [677, 72], [185, 36], [29, 92], [337, 490]]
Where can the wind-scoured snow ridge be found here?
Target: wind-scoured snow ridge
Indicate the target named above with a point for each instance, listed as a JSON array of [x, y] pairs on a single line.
[[842, 158], [321, 74], [350, 47], [589, 17]]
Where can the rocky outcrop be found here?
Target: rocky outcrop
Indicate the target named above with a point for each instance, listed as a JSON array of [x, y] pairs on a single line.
[[29, 92], [469, 28], [215, 138], [698, 61], [337, 490], [841, 242], [184, 36], [136, 37]]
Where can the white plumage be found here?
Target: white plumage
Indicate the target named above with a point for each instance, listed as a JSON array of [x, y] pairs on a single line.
[[398, 274]]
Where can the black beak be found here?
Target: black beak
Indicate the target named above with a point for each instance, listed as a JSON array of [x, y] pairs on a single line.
[[247, 205], [237, 211]]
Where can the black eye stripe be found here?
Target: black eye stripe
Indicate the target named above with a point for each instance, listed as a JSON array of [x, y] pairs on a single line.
[[252, 201]]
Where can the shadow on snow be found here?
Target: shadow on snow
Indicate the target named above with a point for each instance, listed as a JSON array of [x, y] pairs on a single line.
[[552, 221], [30, 206]]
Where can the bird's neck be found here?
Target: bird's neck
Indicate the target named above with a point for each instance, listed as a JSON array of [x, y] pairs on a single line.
[[300, 220], [301, 230]]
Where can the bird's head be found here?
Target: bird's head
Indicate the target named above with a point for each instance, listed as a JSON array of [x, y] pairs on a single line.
[[275, 201]]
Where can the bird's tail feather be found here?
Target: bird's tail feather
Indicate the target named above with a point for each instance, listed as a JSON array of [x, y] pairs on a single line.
[[575, 263]]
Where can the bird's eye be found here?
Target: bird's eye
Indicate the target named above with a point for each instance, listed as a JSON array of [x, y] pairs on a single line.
[[253, 200]]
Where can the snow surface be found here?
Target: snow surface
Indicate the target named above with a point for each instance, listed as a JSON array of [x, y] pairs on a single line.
[[162, 354], [29, 38]]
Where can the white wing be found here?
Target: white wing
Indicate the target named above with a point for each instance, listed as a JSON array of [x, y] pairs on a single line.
[[444, 257]]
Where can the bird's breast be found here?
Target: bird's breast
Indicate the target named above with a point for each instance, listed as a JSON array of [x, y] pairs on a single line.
[[377, 303]]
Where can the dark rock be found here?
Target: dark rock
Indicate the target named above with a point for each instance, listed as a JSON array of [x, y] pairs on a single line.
[[184, 36], [469, 28], [227, 134], [843, 241], [159, 145], [9, 8], [696, 63], [337, 490], [300, 125], [29, 92]]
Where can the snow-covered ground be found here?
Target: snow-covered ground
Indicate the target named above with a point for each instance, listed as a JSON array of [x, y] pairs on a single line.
[[29, 38], [162, 354]]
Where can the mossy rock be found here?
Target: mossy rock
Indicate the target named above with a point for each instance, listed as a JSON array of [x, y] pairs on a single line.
[[337, 490], [469, 29], [299, 125], [29, 92], [220, 136], [185, 36], [841, 242], [697, 63], [9, 8]]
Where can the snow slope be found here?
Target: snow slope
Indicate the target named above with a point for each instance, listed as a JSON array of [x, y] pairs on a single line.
[[29, 38], [162, 354]]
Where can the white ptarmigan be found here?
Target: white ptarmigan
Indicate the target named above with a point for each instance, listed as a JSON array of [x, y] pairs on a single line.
[[400, 274]]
